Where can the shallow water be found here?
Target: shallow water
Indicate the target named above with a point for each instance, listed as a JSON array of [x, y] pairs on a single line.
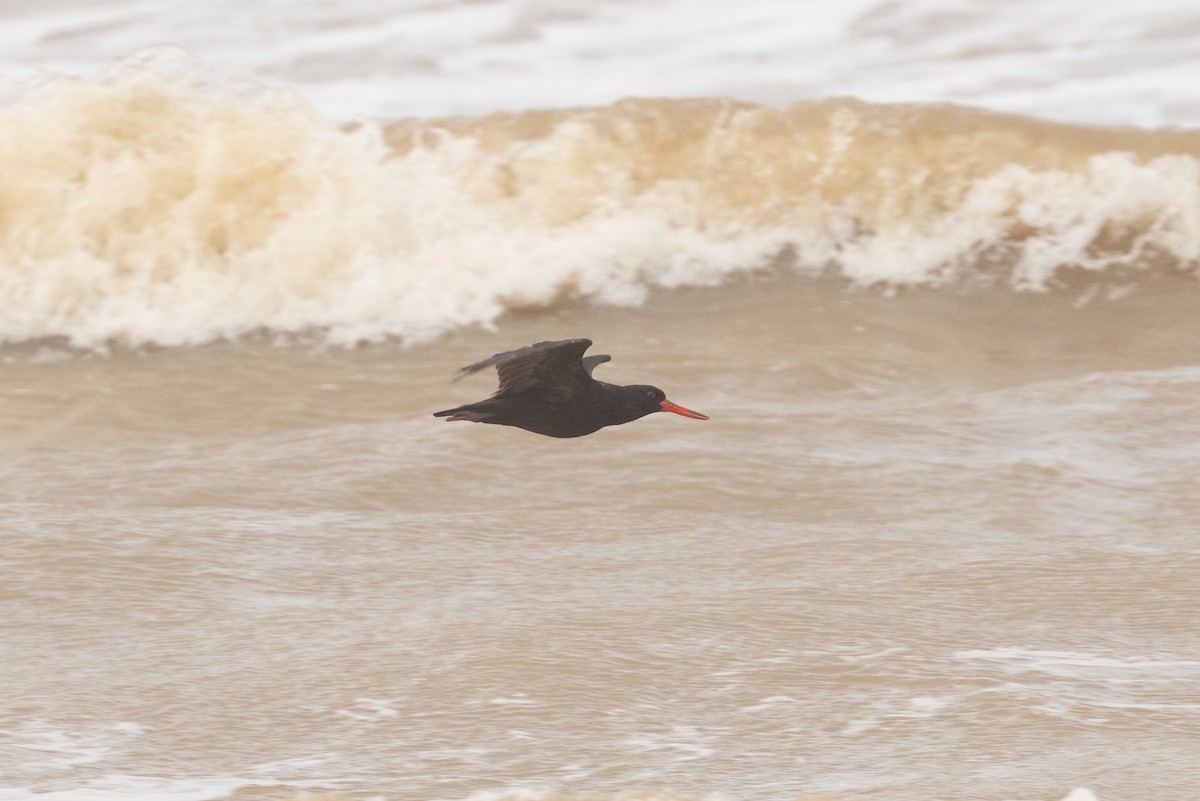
[[882, 570]]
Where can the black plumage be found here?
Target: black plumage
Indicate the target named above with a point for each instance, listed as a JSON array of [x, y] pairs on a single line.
[[548, 389]]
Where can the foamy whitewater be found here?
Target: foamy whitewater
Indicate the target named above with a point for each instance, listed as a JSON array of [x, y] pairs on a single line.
[[162, 200], [141, 209], [929, 266]]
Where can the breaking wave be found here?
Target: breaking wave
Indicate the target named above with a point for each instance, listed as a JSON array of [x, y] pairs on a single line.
[[170, 206]]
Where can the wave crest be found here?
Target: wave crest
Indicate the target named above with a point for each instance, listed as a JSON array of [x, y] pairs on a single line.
[[146, 208]]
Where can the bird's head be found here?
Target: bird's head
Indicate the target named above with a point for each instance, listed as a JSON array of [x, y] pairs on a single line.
[[647, 400]]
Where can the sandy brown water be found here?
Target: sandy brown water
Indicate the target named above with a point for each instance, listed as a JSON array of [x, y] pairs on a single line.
[[936, 545]]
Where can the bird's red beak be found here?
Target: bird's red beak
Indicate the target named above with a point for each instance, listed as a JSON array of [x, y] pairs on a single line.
[[667, 406]]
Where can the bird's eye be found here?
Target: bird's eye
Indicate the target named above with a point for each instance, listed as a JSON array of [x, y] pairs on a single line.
[[649, 393]]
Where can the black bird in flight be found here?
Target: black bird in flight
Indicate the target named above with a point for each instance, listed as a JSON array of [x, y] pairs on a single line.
[[548, 389]]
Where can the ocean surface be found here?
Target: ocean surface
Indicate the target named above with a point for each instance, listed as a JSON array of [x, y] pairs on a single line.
[[930, 268]]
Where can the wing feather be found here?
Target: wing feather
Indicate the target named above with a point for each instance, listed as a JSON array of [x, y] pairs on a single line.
[[556, 367], [590, 362]]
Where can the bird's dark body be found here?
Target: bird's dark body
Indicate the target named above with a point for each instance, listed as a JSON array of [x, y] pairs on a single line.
[[543, 413], [548, 389]]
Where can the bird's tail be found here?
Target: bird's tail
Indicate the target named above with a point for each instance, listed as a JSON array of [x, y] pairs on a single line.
[[464, 413]]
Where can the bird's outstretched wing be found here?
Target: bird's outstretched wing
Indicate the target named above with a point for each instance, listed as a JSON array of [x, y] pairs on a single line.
[[556, 367], [590, 362]]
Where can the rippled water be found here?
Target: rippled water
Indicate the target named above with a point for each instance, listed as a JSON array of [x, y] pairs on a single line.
[[881, 570]]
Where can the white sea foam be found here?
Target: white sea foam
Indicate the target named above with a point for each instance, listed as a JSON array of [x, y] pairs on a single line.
[[170, 205], [1081, 794], [1070, 664], [156, 199], [50, 749], [133, 788]]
